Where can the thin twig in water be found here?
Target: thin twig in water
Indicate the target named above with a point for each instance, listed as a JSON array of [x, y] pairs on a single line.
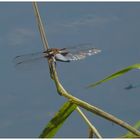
[[91, 133]]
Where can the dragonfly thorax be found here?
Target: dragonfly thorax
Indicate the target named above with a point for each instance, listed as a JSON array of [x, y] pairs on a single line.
[[51, 52], [56, 54]]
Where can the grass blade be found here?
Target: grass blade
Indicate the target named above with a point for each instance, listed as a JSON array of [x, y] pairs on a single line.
[[57, 121], [116, 74], [131, 135]]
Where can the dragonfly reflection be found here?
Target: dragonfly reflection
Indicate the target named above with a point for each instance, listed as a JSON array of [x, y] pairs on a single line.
[[64, 55], [131, 86]]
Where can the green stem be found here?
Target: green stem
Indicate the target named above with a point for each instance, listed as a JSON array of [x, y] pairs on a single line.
[[90, 107], [40, 26], [94, 130]]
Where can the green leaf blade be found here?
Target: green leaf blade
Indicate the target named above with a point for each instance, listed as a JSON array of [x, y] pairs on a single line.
[[115, 75], [57, 121]]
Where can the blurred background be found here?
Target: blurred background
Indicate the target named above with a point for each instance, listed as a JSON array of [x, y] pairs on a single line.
[[28, 98]]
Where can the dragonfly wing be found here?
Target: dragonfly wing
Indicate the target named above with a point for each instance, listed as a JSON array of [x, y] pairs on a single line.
[[60, 57], [28, 57], [80, 47], [81, 54]]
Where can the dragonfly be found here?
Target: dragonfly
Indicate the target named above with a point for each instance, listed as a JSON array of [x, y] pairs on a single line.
[[72, 53]]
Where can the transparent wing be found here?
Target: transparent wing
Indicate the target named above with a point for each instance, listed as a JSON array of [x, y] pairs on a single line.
[[62, 58], [80, 52], [28, 57]]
